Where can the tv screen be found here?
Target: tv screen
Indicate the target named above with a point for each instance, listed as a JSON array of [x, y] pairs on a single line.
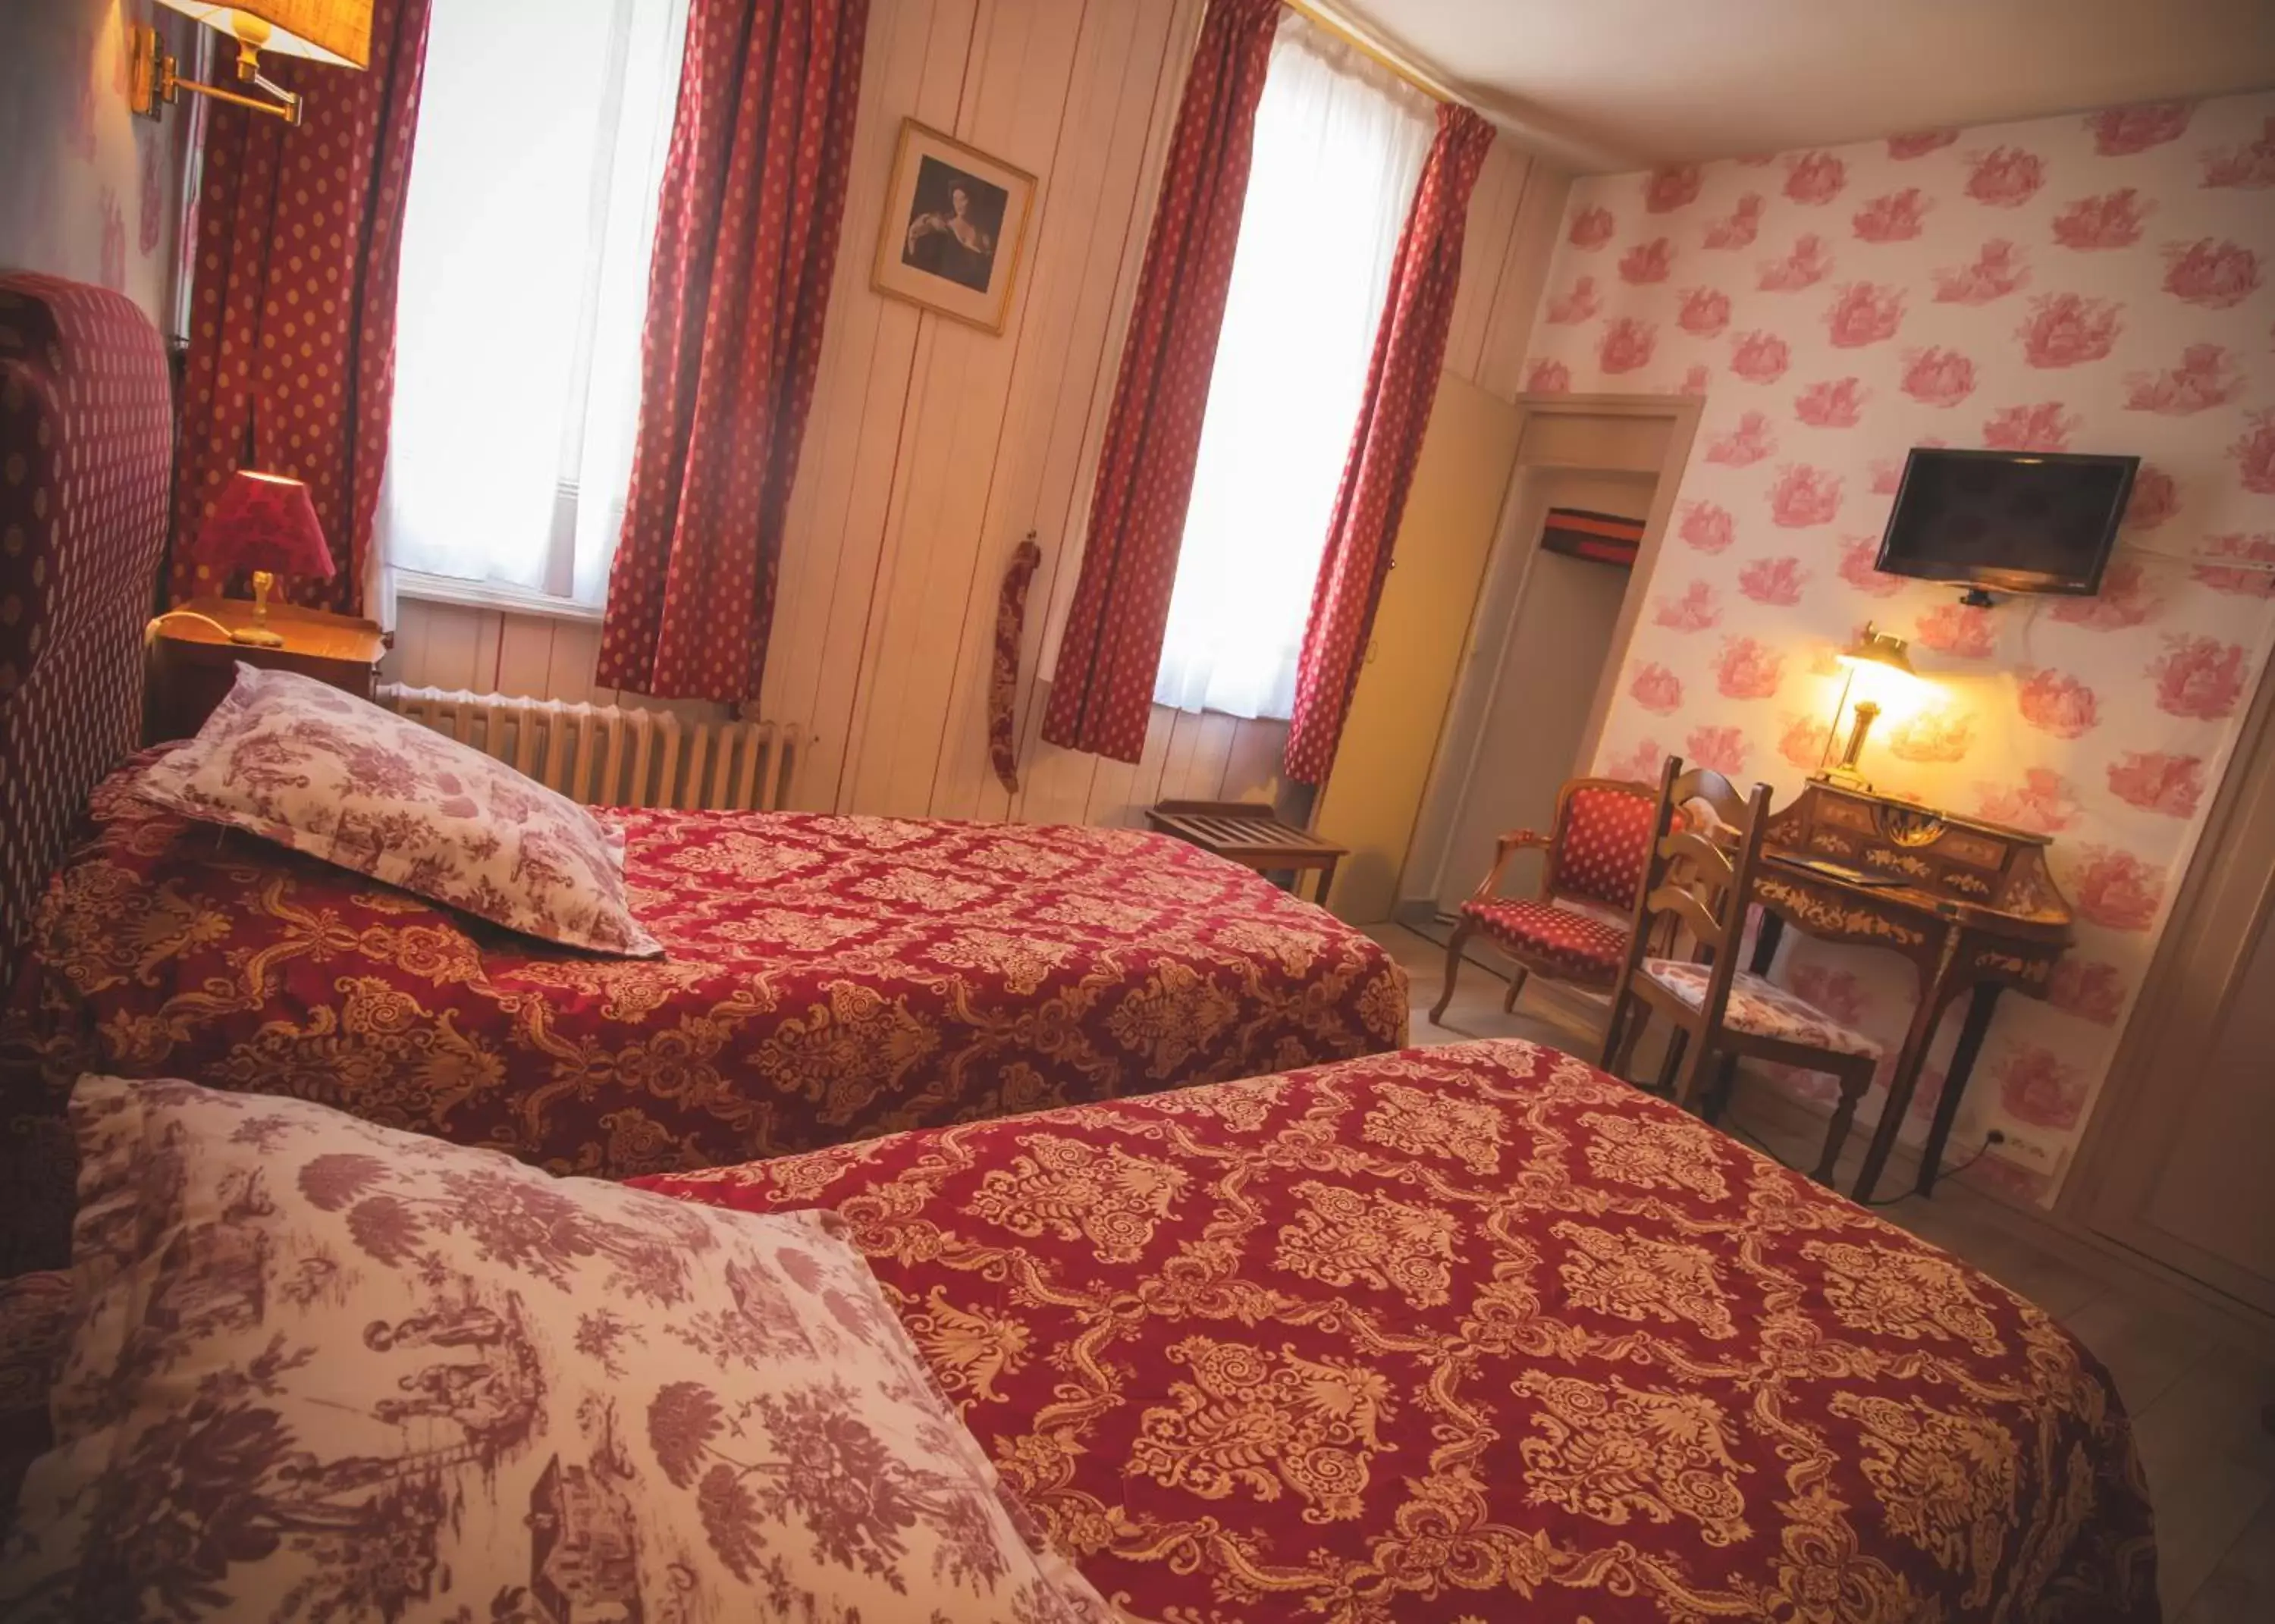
[[2019, 521]]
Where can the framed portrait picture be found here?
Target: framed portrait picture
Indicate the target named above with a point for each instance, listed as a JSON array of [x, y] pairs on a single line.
[[956, 221]]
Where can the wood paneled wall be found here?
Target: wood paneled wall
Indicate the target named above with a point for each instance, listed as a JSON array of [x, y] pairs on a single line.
[[451, 646], [933, 448]]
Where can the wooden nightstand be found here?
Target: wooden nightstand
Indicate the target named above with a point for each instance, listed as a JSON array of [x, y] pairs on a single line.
[[191, 665]]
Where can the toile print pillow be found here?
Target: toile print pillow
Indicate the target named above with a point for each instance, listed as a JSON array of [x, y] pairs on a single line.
[[292, 761], [320, 1369]]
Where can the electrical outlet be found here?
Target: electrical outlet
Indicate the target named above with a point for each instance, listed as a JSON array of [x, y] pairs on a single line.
[[2025, 1149]]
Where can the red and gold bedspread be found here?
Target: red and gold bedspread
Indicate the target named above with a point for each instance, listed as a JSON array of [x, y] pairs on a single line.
[[826, 978], [1478, 1334], [34, 1322]]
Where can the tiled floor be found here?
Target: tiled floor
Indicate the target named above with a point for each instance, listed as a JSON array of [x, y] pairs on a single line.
[[2195, 1398]]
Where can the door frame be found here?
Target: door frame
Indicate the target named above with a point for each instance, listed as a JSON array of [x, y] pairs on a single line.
[[1453, 766], [2133, 1124]]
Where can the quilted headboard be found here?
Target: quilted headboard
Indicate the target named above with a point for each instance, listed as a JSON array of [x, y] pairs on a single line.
[[85, 428]]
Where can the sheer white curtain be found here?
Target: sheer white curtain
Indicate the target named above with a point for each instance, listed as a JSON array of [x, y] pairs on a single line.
[[1340, 145], [543, 126]]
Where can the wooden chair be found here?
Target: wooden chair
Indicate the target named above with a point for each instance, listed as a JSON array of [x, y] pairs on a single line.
[[1595, 855], [1699, 880]]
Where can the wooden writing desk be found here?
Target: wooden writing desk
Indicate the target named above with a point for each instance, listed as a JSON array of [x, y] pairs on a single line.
[[1972, 906]]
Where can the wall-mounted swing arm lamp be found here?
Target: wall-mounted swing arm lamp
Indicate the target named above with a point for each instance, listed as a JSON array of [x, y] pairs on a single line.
[[333, 31]]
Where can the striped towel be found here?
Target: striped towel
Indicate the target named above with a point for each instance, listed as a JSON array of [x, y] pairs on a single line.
[[1605, 537]]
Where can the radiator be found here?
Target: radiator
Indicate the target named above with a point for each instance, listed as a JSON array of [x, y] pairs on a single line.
[[607, 755]]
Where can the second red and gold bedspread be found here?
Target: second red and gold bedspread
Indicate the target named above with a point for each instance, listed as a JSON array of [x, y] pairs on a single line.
[[1481, 1334]]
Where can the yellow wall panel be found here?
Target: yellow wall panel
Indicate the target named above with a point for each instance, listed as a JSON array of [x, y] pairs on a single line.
[[1374, 793]]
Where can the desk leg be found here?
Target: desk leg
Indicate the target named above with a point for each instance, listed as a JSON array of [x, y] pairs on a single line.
[[1955, 1082], [1765, 942], [1326, 882], [1935, 995], [1717, 1092]]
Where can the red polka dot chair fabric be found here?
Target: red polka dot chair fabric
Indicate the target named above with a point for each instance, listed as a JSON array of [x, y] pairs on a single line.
[[1401, 385], [1595, 857], [1603, 841], [85, 440], [1561, 943], [1101, 693], [745, 247], [291, 356]]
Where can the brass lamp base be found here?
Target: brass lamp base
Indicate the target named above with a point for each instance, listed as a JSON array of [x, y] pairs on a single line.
[[258, 635], [1845, 772]]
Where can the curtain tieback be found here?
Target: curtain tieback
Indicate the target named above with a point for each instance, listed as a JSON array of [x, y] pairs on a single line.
[[1003, 681]]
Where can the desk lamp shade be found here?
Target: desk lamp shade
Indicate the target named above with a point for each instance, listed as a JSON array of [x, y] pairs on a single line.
[[1877, 647], [334, 31], [264, 523]]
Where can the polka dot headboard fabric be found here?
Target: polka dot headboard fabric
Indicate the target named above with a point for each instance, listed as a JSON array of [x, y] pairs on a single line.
[[85, 441]]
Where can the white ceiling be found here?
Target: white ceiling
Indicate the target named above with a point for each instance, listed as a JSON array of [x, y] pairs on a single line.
[[1622, 84]]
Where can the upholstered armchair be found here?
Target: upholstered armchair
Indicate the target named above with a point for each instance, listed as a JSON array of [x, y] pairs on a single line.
[[1575, 928]]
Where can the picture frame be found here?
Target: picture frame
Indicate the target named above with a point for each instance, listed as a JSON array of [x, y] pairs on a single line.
[[954, 229]]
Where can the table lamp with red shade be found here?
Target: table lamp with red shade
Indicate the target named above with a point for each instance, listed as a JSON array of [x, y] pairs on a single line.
[[264, 523]]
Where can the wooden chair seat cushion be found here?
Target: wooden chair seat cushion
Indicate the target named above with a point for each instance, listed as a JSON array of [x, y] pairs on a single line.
[[1562, 942], [1762, 1008]]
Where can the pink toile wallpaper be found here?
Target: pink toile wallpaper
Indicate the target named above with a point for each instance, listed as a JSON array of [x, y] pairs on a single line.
[[2091, 284], [87, 189]]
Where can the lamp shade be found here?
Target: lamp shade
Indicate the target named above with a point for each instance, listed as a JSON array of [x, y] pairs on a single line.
[[1878, 648], [264, 521], [334, 31]]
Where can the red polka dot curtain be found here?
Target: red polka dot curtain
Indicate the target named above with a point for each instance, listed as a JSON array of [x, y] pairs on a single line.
[[1102, 690], [1410, 348], [745, 244], [290, 367]]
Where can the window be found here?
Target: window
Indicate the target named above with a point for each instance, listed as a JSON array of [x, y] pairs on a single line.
[[1339, 148], [543, 126]]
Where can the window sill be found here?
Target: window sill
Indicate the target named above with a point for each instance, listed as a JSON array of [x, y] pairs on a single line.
[[491, 595]]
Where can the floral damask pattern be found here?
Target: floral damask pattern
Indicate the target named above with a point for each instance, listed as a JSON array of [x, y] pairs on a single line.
[[368, 1370], [827, 979], [2096, 282], [1480, 1333], [294, 761], [1942, 1474]]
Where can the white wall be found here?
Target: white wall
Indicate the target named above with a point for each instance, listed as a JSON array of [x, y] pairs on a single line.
[[87, 189], [933, 448]]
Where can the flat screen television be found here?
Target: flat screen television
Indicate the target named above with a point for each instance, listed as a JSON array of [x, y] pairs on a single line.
[[2012, 521]]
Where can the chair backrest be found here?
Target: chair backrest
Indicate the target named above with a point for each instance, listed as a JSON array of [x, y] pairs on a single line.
[[1706, 800], [1602, 837], [1699, 878]]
